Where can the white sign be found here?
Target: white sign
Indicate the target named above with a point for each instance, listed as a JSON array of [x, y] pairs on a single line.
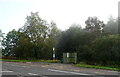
[[53, 55], [67, 54], [53, 49]]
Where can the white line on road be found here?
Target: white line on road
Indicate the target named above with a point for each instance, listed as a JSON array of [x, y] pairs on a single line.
[[14, 65], [20, 66], [6, 71], [32, 74], [58, 71], [26, 66], [79, 73], [67, 72], [113, 71]]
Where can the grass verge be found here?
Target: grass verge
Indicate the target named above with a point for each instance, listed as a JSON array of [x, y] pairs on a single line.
[[97, 67], [49, 61]]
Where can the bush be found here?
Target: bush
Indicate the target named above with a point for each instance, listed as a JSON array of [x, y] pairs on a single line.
[[106, 50]]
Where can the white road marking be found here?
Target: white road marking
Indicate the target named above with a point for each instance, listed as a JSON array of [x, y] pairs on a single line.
[[32, 74], [58, 71], [26, 66], [6, 71], [14, 65], [113, 71], [79, 73], [68, 72], [44, 76], [20, 66]]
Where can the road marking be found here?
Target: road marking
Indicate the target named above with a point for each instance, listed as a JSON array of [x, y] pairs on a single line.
[[14, 65], [58, 71], [32, 74], [20, 66], [26, 66], [79, 73], [6, 71], [99, 72], [113, 71], [68, 72], [28, 62]]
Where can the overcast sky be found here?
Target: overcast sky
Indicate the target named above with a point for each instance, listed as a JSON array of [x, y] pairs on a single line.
[[63, 12]]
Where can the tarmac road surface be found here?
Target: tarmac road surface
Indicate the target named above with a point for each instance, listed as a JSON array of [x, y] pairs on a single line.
[[12, 69]]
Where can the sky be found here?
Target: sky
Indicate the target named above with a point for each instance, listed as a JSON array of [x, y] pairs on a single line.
[[63, 12]]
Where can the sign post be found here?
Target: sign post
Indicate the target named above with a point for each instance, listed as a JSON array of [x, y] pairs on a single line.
[[53, 53]]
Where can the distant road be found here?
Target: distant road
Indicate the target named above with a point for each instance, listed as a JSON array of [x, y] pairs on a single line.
[[10, 69]]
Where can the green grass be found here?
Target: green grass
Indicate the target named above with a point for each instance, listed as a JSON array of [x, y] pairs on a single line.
[[49, 61], [97, 67], [9, 60]]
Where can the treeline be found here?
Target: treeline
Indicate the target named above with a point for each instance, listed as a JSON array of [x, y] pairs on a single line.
[[97, 43], [35, 40]]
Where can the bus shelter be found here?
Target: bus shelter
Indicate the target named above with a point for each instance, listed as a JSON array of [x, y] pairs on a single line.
[[70, 57]]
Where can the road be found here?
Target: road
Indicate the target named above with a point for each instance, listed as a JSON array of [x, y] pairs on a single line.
[[11, 69]]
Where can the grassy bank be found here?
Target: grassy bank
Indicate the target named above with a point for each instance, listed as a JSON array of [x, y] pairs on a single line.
[[49, 61], [97, 67]]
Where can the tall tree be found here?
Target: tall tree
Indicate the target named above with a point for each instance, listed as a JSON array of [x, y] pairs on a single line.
[[23, 48], [95, 26], [9, 42], [111, 26], [0, 33], [36, 28], [54, 33], [1, 36], [74, 40], [42, 35]]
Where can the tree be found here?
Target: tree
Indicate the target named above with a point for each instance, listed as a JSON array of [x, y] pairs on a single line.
[[35, 39], [36, 29], [74, 40], [94, 26], [106, 50], [42, 35], [17, 44], [118, 25], [1, 36], [9, 42], [54, 33], [111, 26]]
